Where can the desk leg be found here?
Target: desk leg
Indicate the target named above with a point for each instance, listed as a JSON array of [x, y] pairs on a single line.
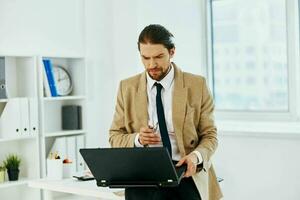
[[48, 195]]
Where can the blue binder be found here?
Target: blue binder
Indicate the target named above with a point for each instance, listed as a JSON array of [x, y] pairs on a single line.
[[50, 76]]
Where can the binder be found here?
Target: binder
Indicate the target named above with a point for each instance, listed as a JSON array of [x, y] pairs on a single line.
[[3, 94], [71, 152], [59, 146], [33, 116], [47, 92], [67, 148], [24, 117], [50, 76], [11, 113], [79, 159]]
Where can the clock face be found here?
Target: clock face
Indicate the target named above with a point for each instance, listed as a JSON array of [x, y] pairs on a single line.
[[62, 80]]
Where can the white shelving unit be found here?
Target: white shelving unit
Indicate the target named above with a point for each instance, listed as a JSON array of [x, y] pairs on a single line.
[[51, 107], [24, 75], [21, 82], [65, 133], [17, 138]]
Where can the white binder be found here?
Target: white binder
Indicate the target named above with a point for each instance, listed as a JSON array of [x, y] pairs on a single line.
[[33, 116], [71, 152], [10, 120], [79, 159], [60, 147], [24, 117]]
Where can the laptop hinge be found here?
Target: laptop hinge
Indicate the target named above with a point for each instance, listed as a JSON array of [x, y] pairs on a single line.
[[102, 183]]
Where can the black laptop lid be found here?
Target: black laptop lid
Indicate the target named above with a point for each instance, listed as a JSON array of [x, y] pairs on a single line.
[[132, 167]]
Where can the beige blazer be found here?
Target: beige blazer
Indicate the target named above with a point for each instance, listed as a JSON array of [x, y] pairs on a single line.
[[192, 120]]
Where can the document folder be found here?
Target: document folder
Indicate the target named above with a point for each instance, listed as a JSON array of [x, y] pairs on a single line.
[[133, 167], [3, 87]]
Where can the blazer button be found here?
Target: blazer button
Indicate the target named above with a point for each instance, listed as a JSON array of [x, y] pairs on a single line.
[[192, 142]]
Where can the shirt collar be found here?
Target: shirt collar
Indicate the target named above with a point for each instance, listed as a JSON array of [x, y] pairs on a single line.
[[166, 82]]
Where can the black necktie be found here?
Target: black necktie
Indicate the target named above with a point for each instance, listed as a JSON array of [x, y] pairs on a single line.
[[161, 119]]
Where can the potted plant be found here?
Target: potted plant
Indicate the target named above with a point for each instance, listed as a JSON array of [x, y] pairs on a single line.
[[2, 173], [12, 164]]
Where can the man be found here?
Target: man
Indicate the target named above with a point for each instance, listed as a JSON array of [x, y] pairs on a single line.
[[165, 106]]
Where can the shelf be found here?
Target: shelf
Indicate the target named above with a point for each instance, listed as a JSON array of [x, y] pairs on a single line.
[[3, 100], [17, 138], [83, 188], [7, 184], [64, 57], [74, 197], [65, 133], [62, 98]]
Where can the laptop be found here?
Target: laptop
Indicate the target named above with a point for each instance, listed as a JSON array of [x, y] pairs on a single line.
[[133, 167]]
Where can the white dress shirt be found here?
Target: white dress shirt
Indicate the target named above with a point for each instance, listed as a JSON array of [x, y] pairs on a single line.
[[166, 94]]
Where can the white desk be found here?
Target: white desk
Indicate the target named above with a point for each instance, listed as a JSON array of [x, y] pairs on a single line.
[[82, 188]]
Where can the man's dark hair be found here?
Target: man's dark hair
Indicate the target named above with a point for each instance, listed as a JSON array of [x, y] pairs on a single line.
[[156, 34]]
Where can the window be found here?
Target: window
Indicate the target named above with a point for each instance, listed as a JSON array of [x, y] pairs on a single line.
[[250, 55]]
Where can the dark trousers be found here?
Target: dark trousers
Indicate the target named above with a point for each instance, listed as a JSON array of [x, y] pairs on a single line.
[[185, 191]]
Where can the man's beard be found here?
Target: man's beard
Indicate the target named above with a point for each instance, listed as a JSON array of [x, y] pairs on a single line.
[[158, 75]]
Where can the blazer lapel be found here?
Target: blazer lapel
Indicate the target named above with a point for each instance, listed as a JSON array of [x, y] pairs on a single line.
[[142, 101], [179, 107]]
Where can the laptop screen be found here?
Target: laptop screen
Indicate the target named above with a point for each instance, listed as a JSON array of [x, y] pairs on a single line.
[[132, 167]]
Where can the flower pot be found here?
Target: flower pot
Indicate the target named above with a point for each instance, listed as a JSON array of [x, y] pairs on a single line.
[[13, 174], [2, 176]]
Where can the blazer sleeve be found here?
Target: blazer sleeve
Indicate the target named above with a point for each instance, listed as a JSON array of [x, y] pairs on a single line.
[[118, 135], [207, 130]]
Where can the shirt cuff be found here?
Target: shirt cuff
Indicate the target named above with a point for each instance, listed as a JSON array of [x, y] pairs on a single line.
[[137, 142], [200, 159]]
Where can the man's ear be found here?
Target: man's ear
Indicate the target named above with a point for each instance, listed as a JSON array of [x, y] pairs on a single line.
[[172, 52]]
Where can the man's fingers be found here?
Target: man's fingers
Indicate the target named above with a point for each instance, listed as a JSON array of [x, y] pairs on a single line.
[[191, 169], [180, 162], [146, 130], [149, 138], [152, 139]]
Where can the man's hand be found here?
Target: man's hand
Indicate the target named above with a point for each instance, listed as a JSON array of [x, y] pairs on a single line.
[[191, 160], [148, 136]]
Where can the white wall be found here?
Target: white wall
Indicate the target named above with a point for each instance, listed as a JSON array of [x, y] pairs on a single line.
[[34, 27], [180, 17], [259, 167], [100, 61]]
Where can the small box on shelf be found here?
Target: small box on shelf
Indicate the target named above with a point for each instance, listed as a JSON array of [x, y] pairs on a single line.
[[54, 169], [71, 117]]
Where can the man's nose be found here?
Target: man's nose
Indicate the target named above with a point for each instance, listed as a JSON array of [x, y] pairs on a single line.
[[152, 63]]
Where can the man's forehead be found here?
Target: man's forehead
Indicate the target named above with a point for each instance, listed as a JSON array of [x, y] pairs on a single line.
[[150, 50]]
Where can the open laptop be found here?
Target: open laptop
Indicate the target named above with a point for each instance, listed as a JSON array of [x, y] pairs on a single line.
[[133, 167]]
